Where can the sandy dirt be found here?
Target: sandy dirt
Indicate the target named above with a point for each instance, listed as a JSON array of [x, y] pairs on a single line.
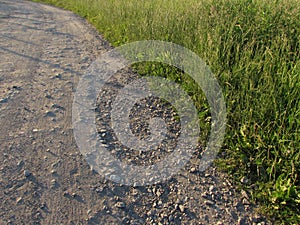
[[44, 179]]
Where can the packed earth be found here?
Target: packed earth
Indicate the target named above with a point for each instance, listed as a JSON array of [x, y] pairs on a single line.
[[44, 178]]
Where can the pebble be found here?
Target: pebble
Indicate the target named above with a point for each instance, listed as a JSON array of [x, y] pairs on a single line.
[[245, 201], [193, 170], [204, 195], [208, 202], [58, 76], [19, 200], [135, 192], [27, 173], [244, 180], [151, 212], [181, 208], [56, 106], [120, 205], [43, 206], [244, 194], [158, 193], [53, 183], [115, 178], [3, 100], [99, 189], [20, 163], [49, 114]]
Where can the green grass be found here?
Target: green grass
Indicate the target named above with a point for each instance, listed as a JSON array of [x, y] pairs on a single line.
[[253, 47]]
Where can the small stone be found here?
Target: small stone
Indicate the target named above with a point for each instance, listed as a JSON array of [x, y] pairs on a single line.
[[213, 197], [244, 194], [135, 192], [181, 208], [115, 178], [53, 183], [244, 180], [3, 100], [151, 212], [27, 173], [99, 189], [43, 206], [261, 223], [245, 201], [38, 215], [125, 220], [120, 205], [49, 114], [256, 219], [205, 195], [193, 170], [35, 130], [56, 106], [211, 188], [158, 193], [58, 76], [19, 200], [208, 202], [20, 163]]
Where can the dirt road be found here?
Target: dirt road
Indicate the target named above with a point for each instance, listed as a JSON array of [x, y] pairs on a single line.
[[43, 177]]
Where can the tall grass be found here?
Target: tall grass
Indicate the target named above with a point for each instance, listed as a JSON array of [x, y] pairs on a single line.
[[253, 47]]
